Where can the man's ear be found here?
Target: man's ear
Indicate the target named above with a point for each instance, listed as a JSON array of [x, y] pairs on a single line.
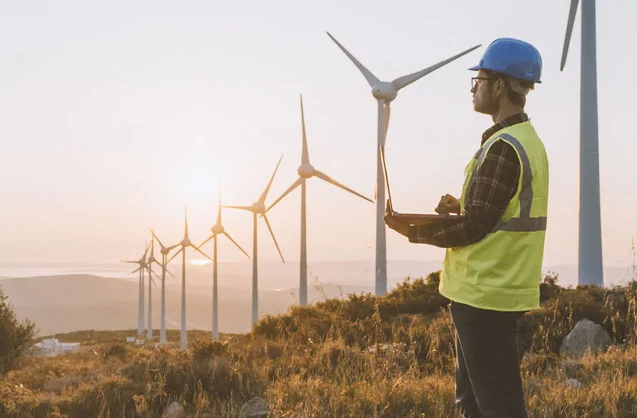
[[499, 87]]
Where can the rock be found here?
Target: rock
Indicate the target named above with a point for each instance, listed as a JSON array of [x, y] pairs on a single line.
[[174, 410], [574, 383], [255, 407], [586, 335]]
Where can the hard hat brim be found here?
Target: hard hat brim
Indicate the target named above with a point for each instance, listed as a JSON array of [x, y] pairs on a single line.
[[478, 68]]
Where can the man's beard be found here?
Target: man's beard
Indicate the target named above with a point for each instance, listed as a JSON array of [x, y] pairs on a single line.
[[490, 105]]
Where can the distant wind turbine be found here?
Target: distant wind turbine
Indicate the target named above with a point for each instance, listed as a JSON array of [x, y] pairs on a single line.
[[149, 267], [164, 263], [258, 208], [590, 264], [185, 243], [307, 171], [142, 264], [217, 230], [385, 93]]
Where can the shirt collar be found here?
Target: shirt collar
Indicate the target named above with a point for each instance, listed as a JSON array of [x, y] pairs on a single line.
[[510, 121]]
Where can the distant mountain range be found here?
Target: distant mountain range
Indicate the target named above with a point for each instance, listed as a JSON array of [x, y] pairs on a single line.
[[70, 302], [276, 275]]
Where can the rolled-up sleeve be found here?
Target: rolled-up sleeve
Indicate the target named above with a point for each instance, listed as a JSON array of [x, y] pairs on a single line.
[[492, 186]]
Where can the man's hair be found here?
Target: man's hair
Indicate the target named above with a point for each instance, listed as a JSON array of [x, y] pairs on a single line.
[[516, 89]]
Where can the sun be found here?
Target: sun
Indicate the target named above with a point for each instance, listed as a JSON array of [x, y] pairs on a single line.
[[202, 181]]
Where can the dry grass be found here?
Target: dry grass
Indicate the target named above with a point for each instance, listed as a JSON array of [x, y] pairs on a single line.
[[364, 357]]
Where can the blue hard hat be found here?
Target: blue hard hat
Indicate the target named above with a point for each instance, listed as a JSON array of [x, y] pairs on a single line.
[[512, 57]]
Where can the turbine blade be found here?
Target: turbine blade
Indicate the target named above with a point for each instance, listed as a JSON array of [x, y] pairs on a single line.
[[330, 180], [205, 242], [130, 262], [152, 231], [186, 222], [285, 193], [201, 252], [248, 208], [274, 239], [146, 251], [135, 271], [371, 78], [235, 243], [174, 255], [165, 267], [219, 208], [387, 115], [569, 31], [264, 195], [151, 277], [305, 154], [406, 80]]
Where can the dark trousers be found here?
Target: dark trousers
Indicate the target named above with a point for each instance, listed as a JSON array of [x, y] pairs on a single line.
[[488, 381]]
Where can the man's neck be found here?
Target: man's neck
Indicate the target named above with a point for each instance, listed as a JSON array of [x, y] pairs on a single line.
[[505, 112]]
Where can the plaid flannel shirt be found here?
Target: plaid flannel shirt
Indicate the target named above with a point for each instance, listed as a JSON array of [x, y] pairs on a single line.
[[493, 185]]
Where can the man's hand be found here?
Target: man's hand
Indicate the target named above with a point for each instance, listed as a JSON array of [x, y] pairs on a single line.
[[395, 222], [397, 225], [448, 204]]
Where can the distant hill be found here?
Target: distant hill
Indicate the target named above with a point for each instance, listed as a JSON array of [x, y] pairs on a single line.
[[77, 302], [70, 302]]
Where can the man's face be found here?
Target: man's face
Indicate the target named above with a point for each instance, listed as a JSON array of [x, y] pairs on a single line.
[[484, 98]]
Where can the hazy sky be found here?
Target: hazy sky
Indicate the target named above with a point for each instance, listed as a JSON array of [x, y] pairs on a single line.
[[115, 115]]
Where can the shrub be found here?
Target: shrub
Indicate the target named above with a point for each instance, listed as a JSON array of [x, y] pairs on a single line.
[[16, 337]]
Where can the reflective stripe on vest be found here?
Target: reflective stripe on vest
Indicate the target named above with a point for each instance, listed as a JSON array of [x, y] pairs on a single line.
[[524, 223]]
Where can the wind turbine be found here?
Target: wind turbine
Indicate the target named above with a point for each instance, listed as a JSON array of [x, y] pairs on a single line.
[[149, 267], [164, 262], [185, 243], [142, 264], [258, 208], [385, 92], [307, 171], [217, 229], [590, 265]]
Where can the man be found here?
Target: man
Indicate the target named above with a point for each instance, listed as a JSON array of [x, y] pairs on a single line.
[[494, 252]]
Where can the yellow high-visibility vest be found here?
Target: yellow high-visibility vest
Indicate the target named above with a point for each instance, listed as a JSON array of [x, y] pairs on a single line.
[[503, 270]]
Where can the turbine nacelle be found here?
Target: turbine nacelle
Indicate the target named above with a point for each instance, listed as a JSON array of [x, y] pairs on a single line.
[[385, 91], [217, 229], [185, 242], [306, 170], [258, 207], [165, 251]]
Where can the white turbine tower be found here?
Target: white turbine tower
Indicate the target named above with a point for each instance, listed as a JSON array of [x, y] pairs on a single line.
[[164, 262], [217, 230], [149, 267], [258, 208], [385, 92], [142, 264], [307, 171], [590, 264], [185, 243]]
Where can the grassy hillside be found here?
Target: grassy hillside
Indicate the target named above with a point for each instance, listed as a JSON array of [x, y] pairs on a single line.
[[363, 356]]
